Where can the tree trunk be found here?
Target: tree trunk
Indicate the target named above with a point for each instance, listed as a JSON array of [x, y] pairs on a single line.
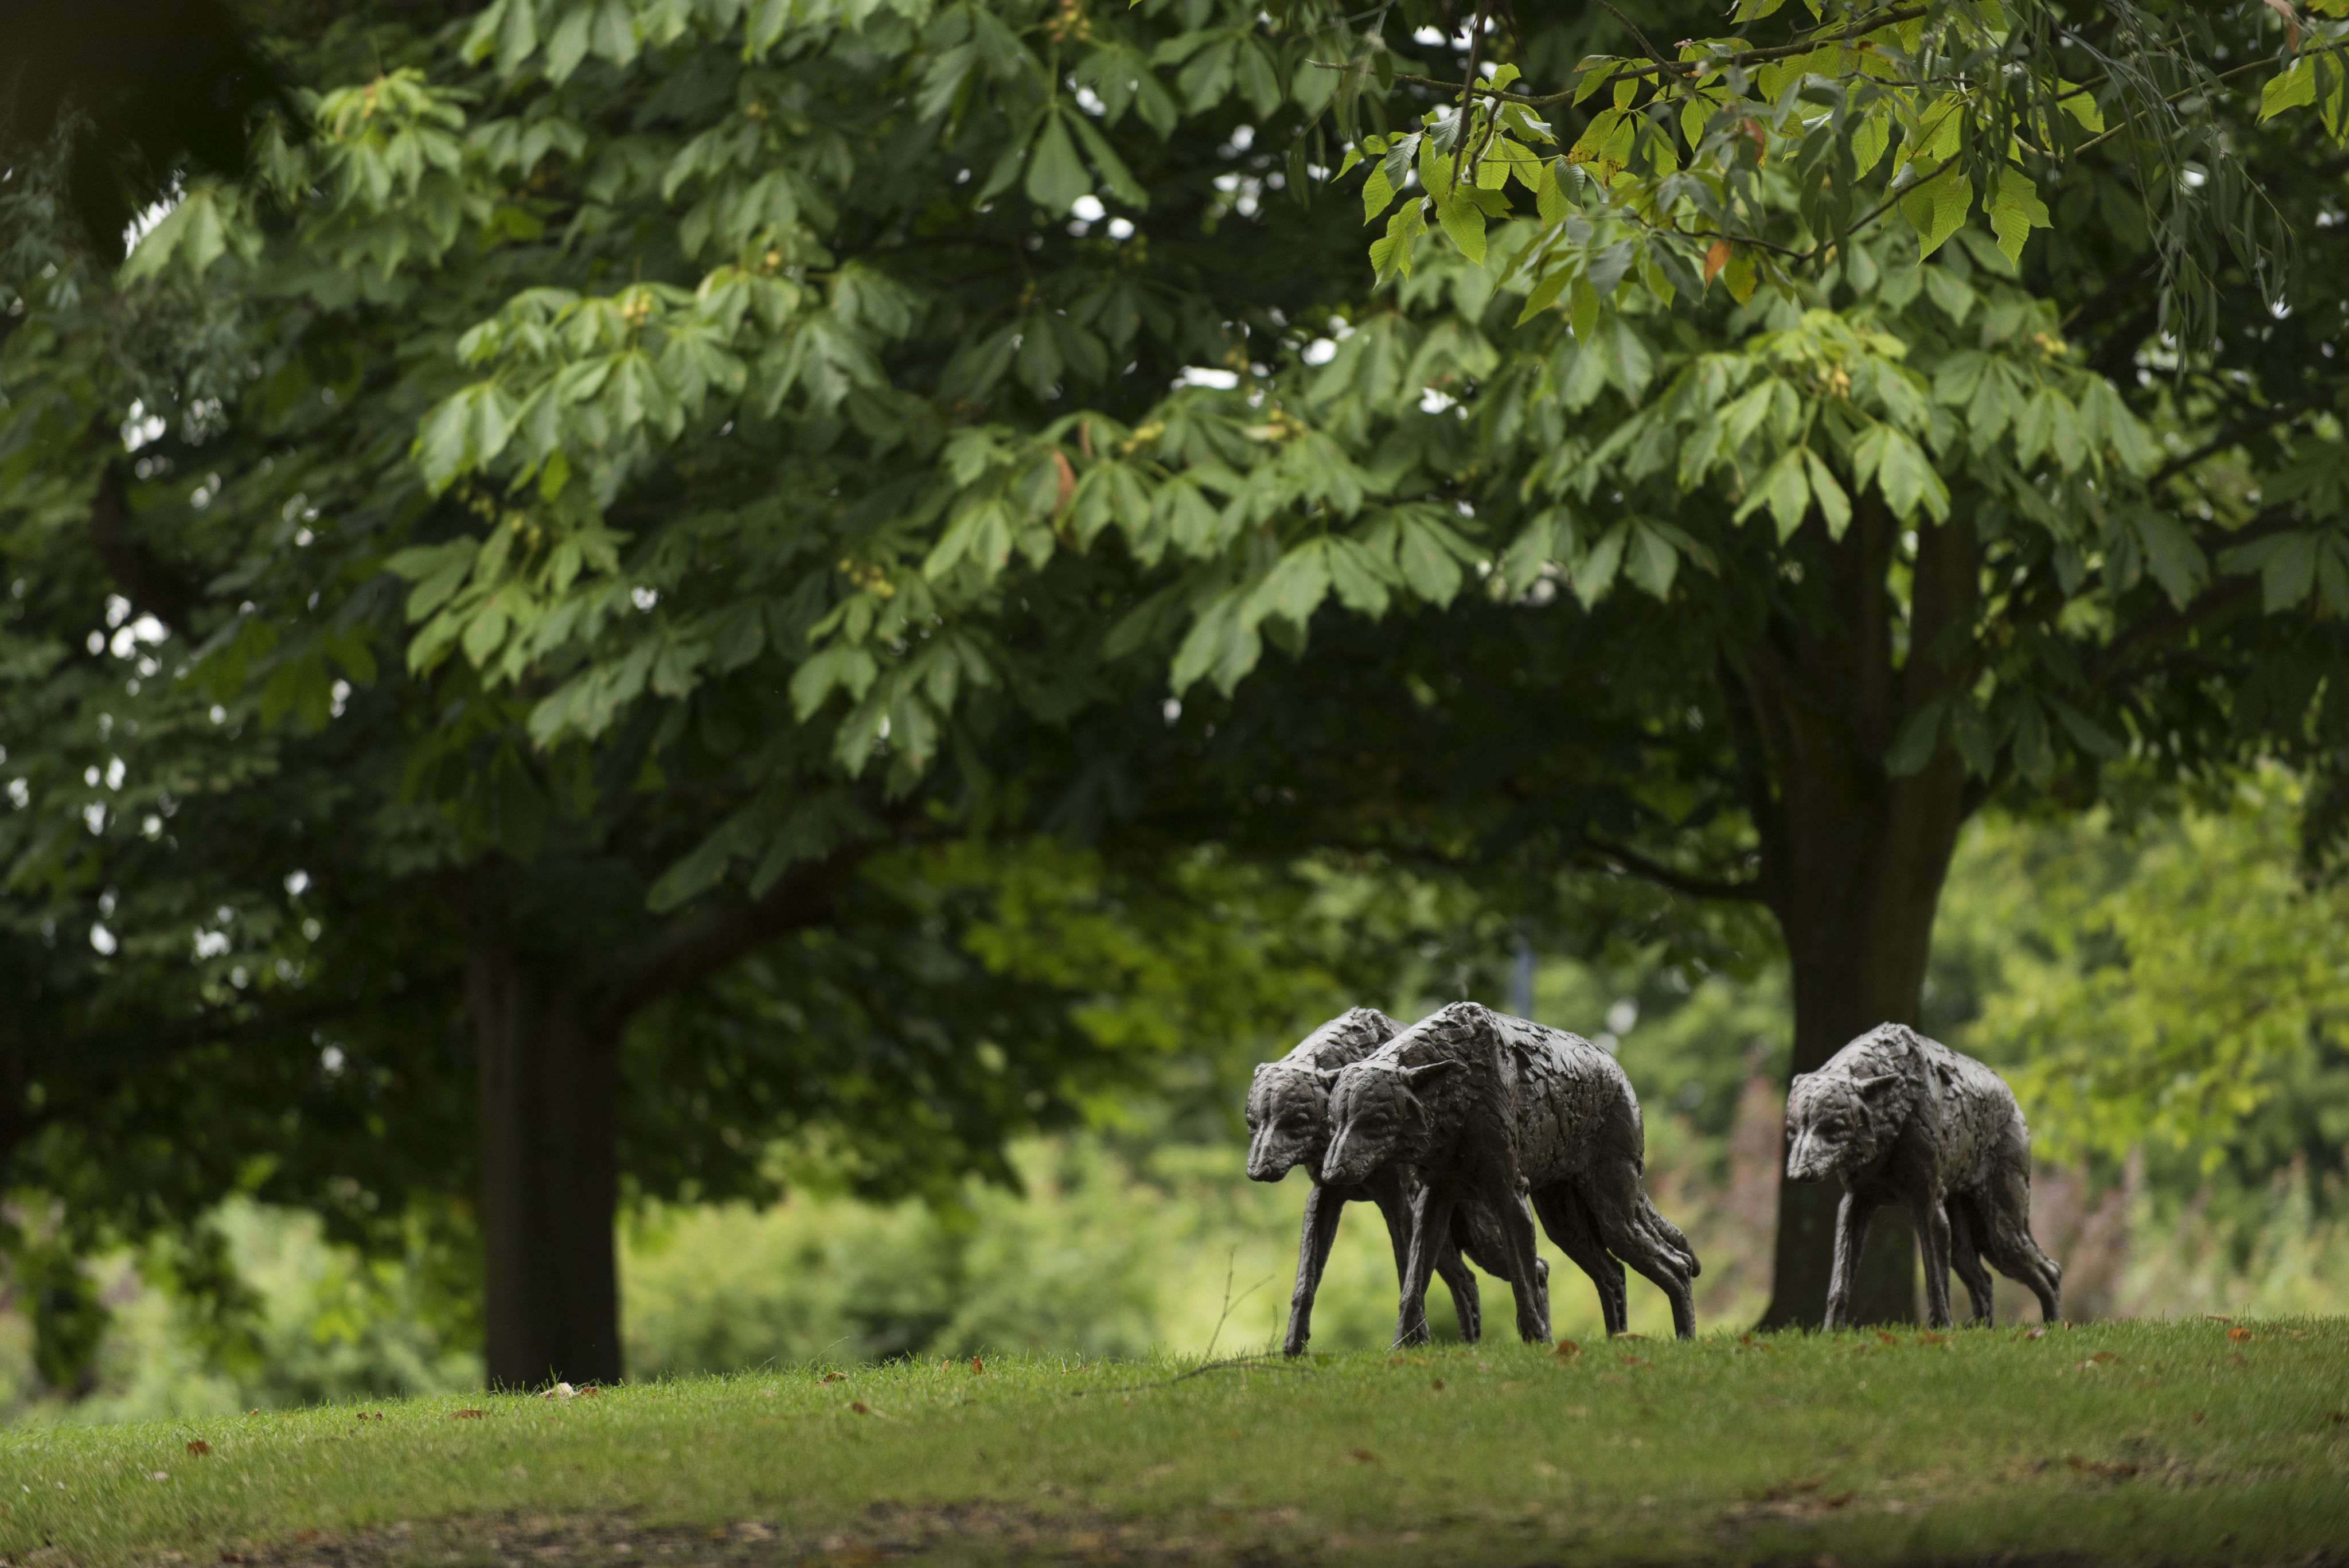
[[549, 1187], [1853, 857], [1858, 961]]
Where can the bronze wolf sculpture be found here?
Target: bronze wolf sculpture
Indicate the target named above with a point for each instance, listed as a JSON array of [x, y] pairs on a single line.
[[1904, 1119], [1288, 1125], [1486, 1107]]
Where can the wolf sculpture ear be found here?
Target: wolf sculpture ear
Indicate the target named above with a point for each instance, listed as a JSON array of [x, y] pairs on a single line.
[[1428, 1074], [1878, 1086], [1904, 1041], [1328, 1075]]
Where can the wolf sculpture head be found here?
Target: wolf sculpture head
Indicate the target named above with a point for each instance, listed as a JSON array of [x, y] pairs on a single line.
[[1289, 1100], [1844, 1118]]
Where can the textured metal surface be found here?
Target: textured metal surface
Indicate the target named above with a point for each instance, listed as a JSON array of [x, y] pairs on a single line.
[[1483, 1107], [1903, 1119], [1288, 1125]]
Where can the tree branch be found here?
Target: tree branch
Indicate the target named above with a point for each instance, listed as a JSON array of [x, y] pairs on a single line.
[[1475, 48], [1616, 857], [2180, 96], [1655, 54], [705, 939], [1664, 63]]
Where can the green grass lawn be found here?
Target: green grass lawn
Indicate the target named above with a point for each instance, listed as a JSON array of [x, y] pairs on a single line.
[[2193, 1442]]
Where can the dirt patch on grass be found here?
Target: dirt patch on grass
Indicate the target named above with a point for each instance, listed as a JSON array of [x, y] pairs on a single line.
[[979, 1534], [974, 1532]]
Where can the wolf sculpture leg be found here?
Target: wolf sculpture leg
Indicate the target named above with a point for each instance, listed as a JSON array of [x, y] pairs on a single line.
[[1932, 1219], [1527, 1277], [2007, 1242], [1394, 1202], [1485, 1244], [1567, 1219], [1965, 1257], [1851, 1235], [1431, 1232], [1323, 1205], [1619, 1206]]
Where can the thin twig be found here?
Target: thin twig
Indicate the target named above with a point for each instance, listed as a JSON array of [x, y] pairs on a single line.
[[1682, 68], [2180, 96], [1267, 1362], [1460, 131], [1501, 94], [1645, 43], [1881, 208], [1231, 1261]]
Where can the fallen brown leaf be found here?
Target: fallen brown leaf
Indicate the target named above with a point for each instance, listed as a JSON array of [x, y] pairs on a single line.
[[2118, 1469], [1363, 1457], [834, 1377], [2197, 1418], [199, 1448], [1840, 1500], [1887, 1338], [1436, 1384], [858, 1406], [1786, 1490], [976, 1364], [1634, 1361], [2101, 1358], [2236, 1335], [467, 1415], [2035, 1334], [1929, 1337], [1566, 1350]]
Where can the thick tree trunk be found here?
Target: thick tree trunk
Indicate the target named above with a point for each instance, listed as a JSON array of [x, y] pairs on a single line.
[[1853, 857], [1858, 961], [547, 1033], [549, 1185]]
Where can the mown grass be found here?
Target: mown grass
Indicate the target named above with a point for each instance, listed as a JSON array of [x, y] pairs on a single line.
[[2196, 1442]]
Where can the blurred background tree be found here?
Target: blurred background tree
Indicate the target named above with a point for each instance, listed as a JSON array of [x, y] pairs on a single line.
[[652, 604]]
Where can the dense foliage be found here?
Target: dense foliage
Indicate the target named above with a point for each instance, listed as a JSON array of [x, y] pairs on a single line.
[[626, 520]]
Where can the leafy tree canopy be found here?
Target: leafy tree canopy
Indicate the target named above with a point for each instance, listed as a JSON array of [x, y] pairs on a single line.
[[799, 430]]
